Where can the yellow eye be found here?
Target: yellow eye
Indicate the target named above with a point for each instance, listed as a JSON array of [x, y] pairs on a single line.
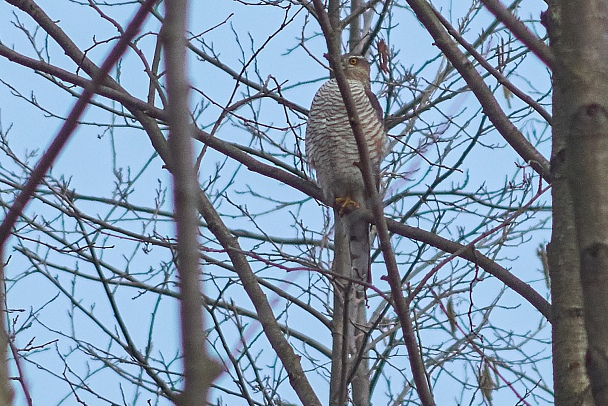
[[352, 61]]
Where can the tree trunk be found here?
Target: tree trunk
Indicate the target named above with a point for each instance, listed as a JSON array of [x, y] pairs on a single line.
[[577, 255]]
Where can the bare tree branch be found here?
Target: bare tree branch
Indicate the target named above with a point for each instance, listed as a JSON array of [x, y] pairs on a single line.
[[290, 360], [521, 32], [199, 370], [98, 244]]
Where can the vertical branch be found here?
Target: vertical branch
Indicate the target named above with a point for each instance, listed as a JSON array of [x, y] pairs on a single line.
[[341, 326], [359, 368], [342, 321], [333, 14], [354, 30], [199, 370], [6, 391], [418, 370]]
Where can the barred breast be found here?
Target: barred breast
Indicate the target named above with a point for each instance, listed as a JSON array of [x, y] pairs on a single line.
[[331, 146]]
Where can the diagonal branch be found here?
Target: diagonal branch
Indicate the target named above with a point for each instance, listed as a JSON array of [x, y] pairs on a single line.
[[290, 360], [493, 71], [521, 32]]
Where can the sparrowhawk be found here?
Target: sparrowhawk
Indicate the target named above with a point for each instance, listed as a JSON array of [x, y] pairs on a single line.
[[332, 151]]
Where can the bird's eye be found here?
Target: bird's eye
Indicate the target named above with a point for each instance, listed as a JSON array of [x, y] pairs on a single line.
[[352, 61]]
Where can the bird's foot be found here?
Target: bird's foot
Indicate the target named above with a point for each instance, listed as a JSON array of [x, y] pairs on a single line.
[[345, 205]]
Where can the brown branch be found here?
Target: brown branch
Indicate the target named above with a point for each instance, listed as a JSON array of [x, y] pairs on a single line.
[[356, 10], [502, 274], [471, 254], [309, 188], [133, 103], [117, 94], [332, 36]]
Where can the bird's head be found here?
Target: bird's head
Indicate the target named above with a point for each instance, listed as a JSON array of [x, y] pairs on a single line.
[[356, 67]]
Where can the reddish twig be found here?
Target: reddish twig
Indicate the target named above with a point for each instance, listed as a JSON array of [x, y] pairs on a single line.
[[471, 245], [66, 379]]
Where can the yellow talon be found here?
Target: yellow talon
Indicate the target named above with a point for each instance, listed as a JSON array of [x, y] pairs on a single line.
[[346, 205]]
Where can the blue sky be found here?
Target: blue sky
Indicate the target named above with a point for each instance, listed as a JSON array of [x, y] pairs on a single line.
[[98, 156]]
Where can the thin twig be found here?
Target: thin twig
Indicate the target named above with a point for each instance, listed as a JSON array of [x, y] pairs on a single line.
[[428, 17], [70, 124], [521, 32]]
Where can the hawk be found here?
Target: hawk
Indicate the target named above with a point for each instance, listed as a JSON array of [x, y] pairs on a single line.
[[332, 151]]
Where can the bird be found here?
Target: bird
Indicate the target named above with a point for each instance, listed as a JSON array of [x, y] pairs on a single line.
[[333, 153]]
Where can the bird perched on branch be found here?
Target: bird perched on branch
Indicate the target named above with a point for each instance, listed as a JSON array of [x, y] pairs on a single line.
[[332, 151]]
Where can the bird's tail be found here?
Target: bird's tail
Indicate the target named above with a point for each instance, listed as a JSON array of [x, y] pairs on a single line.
[[359, 244]]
